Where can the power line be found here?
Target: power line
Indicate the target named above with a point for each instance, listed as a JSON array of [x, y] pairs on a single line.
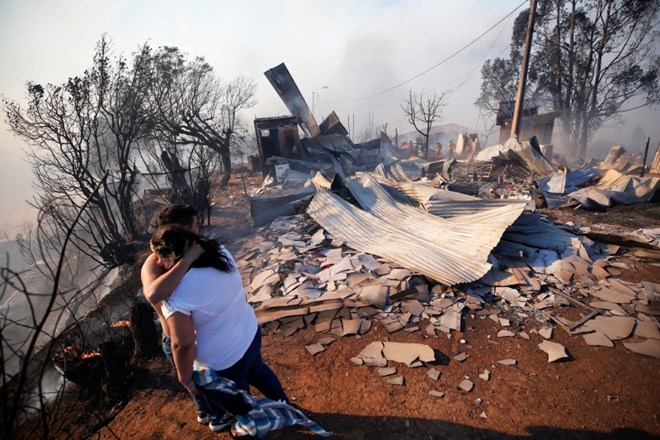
[[437, 64]]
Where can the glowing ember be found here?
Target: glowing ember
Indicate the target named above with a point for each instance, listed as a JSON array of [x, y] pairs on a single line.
[[71, 350], [123, 323], [90, 354]]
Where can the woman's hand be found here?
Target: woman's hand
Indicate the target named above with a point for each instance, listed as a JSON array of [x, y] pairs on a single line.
[[192, 252]]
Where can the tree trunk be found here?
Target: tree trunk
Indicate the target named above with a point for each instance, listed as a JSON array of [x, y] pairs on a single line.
[[226, 168], [176, 177]]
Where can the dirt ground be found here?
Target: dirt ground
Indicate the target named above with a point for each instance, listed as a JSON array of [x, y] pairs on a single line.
[[597, 393]]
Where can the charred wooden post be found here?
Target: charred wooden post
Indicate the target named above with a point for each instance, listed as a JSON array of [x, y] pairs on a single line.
[[646, 152]]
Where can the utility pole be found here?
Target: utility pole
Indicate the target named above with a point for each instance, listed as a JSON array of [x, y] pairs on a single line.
[[520, 95]]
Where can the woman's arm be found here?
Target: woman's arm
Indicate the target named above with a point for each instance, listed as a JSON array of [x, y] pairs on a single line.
[[183, 348], [158, 283]]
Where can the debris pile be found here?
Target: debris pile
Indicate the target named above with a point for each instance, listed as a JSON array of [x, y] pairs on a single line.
[[391, 240]]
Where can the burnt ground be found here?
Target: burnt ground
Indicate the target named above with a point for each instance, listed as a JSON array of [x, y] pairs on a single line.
[[597, 393]]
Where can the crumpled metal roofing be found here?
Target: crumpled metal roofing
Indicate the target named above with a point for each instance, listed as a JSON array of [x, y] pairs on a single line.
[[446, 251], [556, 185], [617, 158], [331, 142], [655, 167], [523, 152], [617, 187], [400, 171], [450, 204], [527, 230], [266, 208]]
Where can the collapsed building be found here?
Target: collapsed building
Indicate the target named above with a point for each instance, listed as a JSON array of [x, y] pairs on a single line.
[[359, 233]]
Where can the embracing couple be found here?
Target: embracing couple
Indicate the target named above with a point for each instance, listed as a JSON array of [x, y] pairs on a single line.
[[196, 290]]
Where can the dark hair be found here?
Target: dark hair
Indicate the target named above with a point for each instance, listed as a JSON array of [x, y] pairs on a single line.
[[181, 215], [169, 241]]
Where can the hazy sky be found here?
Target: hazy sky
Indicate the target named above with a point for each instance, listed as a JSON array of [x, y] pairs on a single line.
[[355, 48]]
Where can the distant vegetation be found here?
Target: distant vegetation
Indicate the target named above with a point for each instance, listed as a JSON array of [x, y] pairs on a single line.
[[592, 60]]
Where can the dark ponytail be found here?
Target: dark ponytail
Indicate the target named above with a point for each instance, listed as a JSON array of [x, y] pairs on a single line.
[[169, 241]]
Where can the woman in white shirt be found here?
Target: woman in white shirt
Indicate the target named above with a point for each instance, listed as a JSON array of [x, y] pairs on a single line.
[[210, 319]]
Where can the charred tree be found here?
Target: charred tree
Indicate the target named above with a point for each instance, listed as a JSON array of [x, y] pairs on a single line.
[[422, 112]]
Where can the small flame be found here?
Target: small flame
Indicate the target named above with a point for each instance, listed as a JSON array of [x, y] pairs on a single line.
[[90, 354], [123, 323], [71, 350]]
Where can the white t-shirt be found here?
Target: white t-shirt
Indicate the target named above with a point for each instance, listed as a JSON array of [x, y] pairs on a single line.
[[225, 324]]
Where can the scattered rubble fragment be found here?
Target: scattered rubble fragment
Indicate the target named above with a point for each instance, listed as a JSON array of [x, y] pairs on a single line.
[[433, 374], [435, 393], [386, 371], [546, 332], [555, 350], [598, 339], [461, 357], [315, 348], [507, 362], [400, 381], [485, 375], [650, 347], [466, 385]]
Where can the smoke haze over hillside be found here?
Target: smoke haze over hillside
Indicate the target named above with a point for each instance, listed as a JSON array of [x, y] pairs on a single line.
[[349, 55]]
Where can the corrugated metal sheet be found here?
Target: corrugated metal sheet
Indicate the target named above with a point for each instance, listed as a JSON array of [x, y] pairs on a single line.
[[523, 152], [556, 185], [617, 187], [332, 125], [367, 233], [618, 158], [532, 230], [400, 171], [655, 167], [267, 208], [331, 142], [286, 87], [446, 251], [389, 152], [476, 237], [527, 230], [450, 204]]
